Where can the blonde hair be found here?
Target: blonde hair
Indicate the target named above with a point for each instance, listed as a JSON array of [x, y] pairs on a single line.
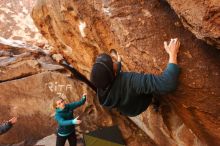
[[54, 102]]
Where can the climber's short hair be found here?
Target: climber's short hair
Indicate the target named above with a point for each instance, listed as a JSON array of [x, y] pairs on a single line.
[[55, 99], [102, 73]]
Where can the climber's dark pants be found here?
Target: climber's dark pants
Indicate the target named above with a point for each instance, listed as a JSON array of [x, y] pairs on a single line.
[[62, 139]]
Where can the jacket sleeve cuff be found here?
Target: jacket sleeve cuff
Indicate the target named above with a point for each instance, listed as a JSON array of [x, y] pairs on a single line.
[[173, 68], [83, 100], [73, 122]]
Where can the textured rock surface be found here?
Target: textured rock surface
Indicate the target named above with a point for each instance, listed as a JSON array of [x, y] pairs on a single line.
[[82, 29], [16, 22], [201, 17], [29, 79]]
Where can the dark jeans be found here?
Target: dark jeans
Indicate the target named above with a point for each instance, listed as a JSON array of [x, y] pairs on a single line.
[[62, 139]]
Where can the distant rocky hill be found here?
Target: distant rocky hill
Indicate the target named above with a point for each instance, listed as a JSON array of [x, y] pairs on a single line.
[[16, 22]]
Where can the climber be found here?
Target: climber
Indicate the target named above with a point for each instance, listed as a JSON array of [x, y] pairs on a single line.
[[64, 117], [129, 92], [4, 127]]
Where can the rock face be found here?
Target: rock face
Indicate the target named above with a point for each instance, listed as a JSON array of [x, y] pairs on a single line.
[[136, 29], [16, 22], [29, 79], [202, 18]]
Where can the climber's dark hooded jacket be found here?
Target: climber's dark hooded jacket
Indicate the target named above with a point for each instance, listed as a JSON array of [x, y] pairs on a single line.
[[131, 92]]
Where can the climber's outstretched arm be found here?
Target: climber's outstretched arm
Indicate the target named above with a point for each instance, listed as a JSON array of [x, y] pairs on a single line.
[[167, 81]]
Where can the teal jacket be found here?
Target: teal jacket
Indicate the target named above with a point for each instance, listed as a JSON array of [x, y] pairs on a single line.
[[65, 117], [131, 93]]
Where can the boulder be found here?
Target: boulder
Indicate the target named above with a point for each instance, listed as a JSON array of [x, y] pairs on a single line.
[[80, 30], [202, 18], [30, 79]]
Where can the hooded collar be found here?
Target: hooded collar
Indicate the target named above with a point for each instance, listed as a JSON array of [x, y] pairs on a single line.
[[103, 93]]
